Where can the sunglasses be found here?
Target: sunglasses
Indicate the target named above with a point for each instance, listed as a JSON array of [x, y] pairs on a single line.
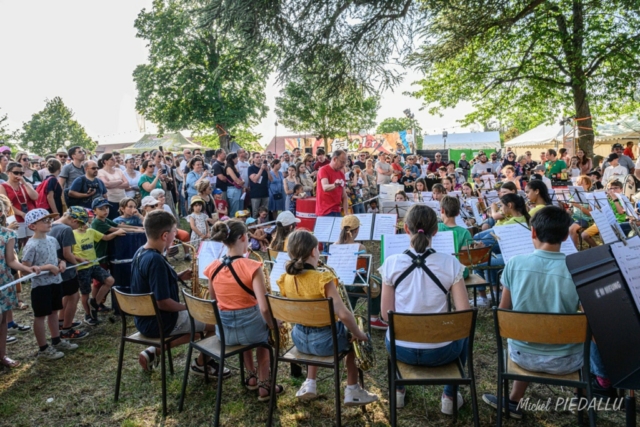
[[93, 168], [24, 159], [62, 156], [17, 173]]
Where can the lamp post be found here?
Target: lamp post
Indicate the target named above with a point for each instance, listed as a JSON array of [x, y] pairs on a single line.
[[444, 139], [275, 141], [411, 118]]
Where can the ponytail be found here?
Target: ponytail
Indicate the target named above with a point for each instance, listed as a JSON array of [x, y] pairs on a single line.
[[422, 223], [345, 234], [300, 248], [518, 205]]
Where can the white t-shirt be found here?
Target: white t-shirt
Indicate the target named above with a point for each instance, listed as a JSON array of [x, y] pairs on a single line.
[[417, 293], [613, 172], [243, 168]]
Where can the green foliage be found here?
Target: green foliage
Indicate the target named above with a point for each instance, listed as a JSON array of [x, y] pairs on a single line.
[[244, 138], [393, 124], [50, 128], [530, 62], [198, 77], [303, 106], [6, 136]]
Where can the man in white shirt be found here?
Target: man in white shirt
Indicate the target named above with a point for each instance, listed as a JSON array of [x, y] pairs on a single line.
[[483, 167], [614, 170], [243, 166]]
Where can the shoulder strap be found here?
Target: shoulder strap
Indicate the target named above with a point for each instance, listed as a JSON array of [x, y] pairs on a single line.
[[227, 262], [419, 261]]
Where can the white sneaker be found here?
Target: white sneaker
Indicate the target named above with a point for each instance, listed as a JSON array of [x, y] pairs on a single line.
[[358, 397], [50, 354], [400, 398], [480, 301], [65, 345], [447, 404], [307, 391]]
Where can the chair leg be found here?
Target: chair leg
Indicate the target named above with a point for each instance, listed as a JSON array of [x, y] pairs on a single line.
[[272, 391], [241, 358], [580, 414], [336, 385], [170, 358], [455, 405], [392, 393], [163, 370], [185, 380], [216, 422], [500, 399], [474, 403], [119, 373]]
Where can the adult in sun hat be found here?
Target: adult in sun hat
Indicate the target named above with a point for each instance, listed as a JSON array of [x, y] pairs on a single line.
[[285, 224]]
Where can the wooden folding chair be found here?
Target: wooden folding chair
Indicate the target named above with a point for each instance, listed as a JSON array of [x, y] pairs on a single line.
[[318, 312], [143, 305], [472, 258], [431, 329], [542, 328], [207, 312]]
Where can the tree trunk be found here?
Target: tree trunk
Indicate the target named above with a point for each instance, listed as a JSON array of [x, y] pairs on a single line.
[[326, 145], [223, 137], [584, 121]]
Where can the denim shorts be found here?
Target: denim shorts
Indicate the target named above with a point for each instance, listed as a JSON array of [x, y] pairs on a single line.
[[93, 272], [555, 365], [318, 341], [243, 327]]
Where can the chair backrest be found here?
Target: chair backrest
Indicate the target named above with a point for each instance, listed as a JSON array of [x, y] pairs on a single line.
[[472, 257], [542, 328], [200, 309], [316, 312], [432, 328], [136, 304]]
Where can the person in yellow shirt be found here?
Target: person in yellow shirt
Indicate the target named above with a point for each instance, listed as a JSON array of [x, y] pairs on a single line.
[[303, 280]]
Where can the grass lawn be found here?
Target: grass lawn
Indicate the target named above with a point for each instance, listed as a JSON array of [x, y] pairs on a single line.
[[78, 389]]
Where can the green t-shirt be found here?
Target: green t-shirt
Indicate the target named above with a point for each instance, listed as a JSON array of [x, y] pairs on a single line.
[[461, 237], [620, 217], [103, 227], [554, 167], [144, 179]]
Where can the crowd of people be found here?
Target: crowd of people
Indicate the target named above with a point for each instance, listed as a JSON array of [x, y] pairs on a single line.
[[59, 215]]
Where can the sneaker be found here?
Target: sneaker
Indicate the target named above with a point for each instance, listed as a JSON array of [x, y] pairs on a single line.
[[447, 404], [148, 360], [50, 353], [307, 391], [90, 320], [73, 325], [600, 391], [187, 257], [11, 340], [93, 304], [514, 409], [65, 345], [358, 397], [379, 324], [103, 308], [480, 302], [213, 369], [11, 330], [400, 394], [73, 334]]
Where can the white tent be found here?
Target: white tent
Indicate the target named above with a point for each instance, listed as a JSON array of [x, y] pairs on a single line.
[[457, 141], [543, 136]]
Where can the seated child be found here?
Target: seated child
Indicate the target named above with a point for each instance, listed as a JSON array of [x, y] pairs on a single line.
[[259, 240], [450, 209], [129, 214]]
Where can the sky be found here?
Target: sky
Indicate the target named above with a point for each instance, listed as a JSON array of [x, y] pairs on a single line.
[[85, 52]]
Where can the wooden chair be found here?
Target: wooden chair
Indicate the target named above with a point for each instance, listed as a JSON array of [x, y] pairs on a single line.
[[207, 312], [431, 329], [472, 258], [272, 254], [318, 312], [541, 328], [143, 305]]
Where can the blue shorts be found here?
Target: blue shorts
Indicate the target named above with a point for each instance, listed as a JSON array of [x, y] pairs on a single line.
[[93, 272], [318, 341], [243, 327]]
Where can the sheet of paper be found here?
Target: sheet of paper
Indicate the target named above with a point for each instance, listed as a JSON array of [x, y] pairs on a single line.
[[514, 240], [600, 196], [627, 205], [628, 259], [488, 180], [567, 247], [443, 243], [212, 180], [323, 228], [278, 270], [244, 195], [604, 226], [435, 206], [476, 212], [11, 219], [491, 197], [456, 194], [335, 231], [366, 226], [384, 224], [577, 194], [399, 208], [344, 260], [388, 191], [427, 196], [460, 222], [393, 244], [209, 251]]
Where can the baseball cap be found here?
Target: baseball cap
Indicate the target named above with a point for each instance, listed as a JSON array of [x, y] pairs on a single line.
[[241, 214], [36, 215], [4, 148], [217, 191], [617, 145], [350, 221], [286, 218], [539, 168], [149, 201], [78, 213], [250, 221], [99, 202], [612, 156]]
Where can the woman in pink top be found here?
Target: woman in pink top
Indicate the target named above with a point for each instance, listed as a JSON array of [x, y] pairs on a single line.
[[114, 180]]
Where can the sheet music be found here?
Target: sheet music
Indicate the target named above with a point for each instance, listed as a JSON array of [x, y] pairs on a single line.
[[208, 252], [492, 197], [393, 244], [384, 224], [604, 226], [456, 194], [427, 196], [627, 205], [488, 180], [476, 212], [514, 240], [335, 231], [601, 196], [323, 228], [443, 243], [435, 206], [399, 208], [344, 260], [460, 222], [628, 259], [388, 191], [577, 193], [563, 195], [278, 270], [366, 226], [567, 247]]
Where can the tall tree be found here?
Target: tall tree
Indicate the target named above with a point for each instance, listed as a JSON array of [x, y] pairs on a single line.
[[198, 77], [243, 137], [303, 106], [6, 136], [50, 128], [393, 124], [532, 58]]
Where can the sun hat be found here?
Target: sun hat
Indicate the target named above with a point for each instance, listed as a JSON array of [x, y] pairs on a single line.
[[196, 199]]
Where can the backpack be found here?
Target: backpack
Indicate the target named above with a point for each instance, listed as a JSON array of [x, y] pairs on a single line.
[[42, 202]]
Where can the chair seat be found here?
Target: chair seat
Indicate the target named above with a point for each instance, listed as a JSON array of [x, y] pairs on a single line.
[[295, 354], [413, 372], [475, 280], [213, 345], [514, 369]]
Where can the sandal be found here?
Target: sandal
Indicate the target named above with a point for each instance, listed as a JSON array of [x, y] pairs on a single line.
[[22, 305], [252, 375], [267, 386], [9, 363]]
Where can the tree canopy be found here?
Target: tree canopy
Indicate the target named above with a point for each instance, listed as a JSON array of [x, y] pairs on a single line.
[[244, 138], [6, 136], [198, 77], [50, 128]]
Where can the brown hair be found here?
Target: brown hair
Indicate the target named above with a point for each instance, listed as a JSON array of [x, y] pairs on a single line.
[[53, 165], [422, 223], [300, 247], [582, 180], [124, 202], [450, 206], [202, 186], [281, 233], [345, 234], [228, 232], [158, 222]]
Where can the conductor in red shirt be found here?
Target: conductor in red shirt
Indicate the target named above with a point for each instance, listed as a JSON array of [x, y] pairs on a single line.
[[331, 195]]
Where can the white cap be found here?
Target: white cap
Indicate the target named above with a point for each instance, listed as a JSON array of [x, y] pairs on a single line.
[[286, 218], [148, 201]]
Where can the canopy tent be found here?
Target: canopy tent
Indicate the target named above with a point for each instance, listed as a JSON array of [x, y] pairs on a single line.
[[175, 142], [457, 141], [543, 136]]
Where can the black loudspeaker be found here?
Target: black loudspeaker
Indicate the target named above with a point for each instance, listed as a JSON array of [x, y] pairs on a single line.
[[307, 150]]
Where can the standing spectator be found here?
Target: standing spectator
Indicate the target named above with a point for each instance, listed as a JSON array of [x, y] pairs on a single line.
[[181, 176], [73, 170], [86, 188], [563, 155], [22, 197], [132, 175], [509, 160], [30, 176], [495, 164], [629, 150], [305, 179], [276, 189], [148, 179], [205, 193], [235, 185], [284, 163], [259, 184], [396, 166], [464, 165], [624, 161], [4, 161], [370, 188], [331, 192], [308, 163], [218, 170], [584, 162], [43, 172], [6, 151], [194, 177], [321, 160], [362, 157], [243, 167], [167, 181], [114, 181], [53, 189], [553, 165], [614, 171], [383, 170], [62, 156], [289, 184], [436, 164]]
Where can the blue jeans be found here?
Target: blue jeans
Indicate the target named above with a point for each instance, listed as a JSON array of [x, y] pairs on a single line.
[[358, 208], [318, 341], [233, 196], [490, 276], [433, 357], [596, 365], [488, 240], [243, 327], [334, 214]]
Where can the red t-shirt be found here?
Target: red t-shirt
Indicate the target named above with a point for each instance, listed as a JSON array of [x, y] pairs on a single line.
[[18, 199], [629, 153], [221, 205], [433, 166], [318, 164], [328, 201]]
